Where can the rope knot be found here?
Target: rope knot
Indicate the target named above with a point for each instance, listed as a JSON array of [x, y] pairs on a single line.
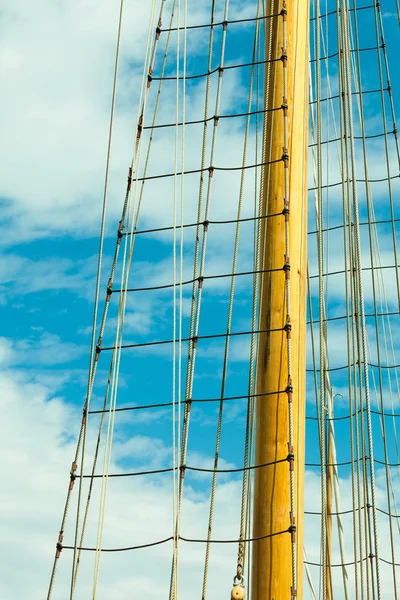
[[59, 545]]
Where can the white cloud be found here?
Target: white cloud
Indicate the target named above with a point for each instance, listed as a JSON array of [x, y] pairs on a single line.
[[138, 509], [46, 349], [56, 61], [55, 130], [21, 275]]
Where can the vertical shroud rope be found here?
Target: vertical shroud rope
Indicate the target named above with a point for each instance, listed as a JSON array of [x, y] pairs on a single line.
[[80, 448], [111, 281], [239, 574], [197, 289], [333, 479], [367, 577], [360, 285], [126, 263], [368, 321], [92, 362]]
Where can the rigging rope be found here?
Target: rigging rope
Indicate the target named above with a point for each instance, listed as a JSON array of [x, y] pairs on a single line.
[[365, 375], [196, 294], [92, 364]]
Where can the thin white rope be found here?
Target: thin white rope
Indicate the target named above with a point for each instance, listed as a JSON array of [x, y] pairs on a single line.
[[321, 296], [247, 566], [245, 514], [196, 294], [328, 387], [175, 474], [174, 215], [115, 259], [181, 236], [308, 575], [119, 332], [336, 488], [361, 295], [97, 290], [377, 277]]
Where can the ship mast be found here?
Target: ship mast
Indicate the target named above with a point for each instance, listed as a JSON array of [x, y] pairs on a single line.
[[277, 561]]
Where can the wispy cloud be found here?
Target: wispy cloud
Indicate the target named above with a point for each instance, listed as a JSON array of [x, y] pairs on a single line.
[[21, 275], [46, 349]]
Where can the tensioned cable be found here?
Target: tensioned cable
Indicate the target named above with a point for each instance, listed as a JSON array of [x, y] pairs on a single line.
[[349, 361], [337, 96], [211, 168], [243, 559], [229, 324], [332, 13], [380, 36], [365, 559], [350, 511], [368, 223], [260, 18], [175, 446], [195, 469], [222, 541], [95, 364], [257, 218], [339, 272], [236, 469], [227, 22], [213, 145], [372, 136], [197, 285], [82, 434], [336, 54], [94, 465], [214, 117], [192, 400], [127, 257], [184, 539], [127, 254], [308, 575], [332, 474], [380, 33], [183, 132], [203, 278], [322, 381], [360, 290], [339, 183], [198, 541], [207, 223], [358, 363], [217, 70], [367, 316], [200, 280], [328, 228], [259, 112], [109, 288], [198, 337], [243, 397], [370, 231], [352, 350]]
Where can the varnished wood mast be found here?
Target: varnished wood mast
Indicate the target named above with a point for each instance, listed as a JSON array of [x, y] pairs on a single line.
[[272, 557]]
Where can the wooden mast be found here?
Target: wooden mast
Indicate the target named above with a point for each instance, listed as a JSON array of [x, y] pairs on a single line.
[[272, 557]]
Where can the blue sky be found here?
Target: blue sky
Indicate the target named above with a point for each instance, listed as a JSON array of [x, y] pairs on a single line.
[[55, 132]]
